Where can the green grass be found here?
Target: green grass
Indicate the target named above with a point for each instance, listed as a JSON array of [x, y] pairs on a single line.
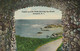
[[59, 49], [30, 44]]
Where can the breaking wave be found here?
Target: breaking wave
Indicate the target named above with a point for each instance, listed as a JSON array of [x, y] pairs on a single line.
[[36, 25]]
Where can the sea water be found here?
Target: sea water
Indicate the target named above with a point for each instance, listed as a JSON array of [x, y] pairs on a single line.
[[30, 28]]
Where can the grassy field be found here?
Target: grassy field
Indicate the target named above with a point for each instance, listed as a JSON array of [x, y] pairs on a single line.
[[30, 44]]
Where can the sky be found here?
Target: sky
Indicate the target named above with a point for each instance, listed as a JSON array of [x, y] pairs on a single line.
[[19, 14]]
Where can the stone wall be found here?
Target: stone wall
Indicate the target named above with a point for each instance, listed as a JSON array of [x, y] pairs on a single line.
[[71, 36], [70, 19], [7, 31]]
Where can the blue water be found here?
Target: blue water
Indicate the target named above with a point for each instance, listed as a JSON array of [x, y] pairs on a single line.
[[29, 28]]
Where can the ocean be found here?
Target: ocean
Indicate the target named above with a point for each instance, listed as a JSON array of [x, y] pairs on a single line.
[[30, 28]]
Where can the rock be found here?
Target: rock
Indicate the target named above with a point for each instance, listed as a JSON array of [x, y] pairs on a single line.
[[78, 29], [52, 36], [39, 32], [78, 36], [47, 36], [7, 46], [75, 39], [0, 32], [72, 33], [74, 30], [72, 43], [53, 26], [44, 29], [79, 42], [0, 27], [5, 31]]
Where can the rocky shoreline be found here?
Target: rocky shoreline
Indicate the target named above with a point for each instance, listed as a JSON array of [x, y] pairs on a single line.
[[46, 28], [51, 26]]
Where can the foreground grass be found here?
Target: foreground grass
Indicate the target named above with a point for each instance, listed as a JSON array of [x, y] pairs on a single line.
[[30, 44], [59, 49]]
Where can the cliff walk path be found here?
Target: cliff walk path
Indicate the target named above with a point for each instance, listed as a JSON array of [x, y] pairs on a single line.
[[51, 46]]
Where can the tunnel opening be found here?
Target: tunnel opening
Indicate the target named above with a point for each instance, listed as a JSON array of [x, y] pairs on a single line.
[[37, 23], [70, 18]]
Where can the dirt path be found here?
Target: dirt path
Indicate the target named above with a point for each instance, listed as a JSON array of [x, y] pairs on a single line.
[[52, 46]]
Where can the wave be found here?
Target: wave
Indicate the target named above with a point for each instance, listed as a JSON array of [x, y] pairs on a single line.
[[25, 24], [36, 25]]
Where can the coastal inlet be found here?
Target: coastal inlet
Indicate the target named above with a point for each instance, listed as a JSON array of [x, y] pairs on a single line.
[[38, 28]]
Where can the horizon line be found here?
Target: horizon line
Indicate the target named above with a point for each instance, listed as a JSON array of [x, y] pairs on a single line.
[[36, 19]]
